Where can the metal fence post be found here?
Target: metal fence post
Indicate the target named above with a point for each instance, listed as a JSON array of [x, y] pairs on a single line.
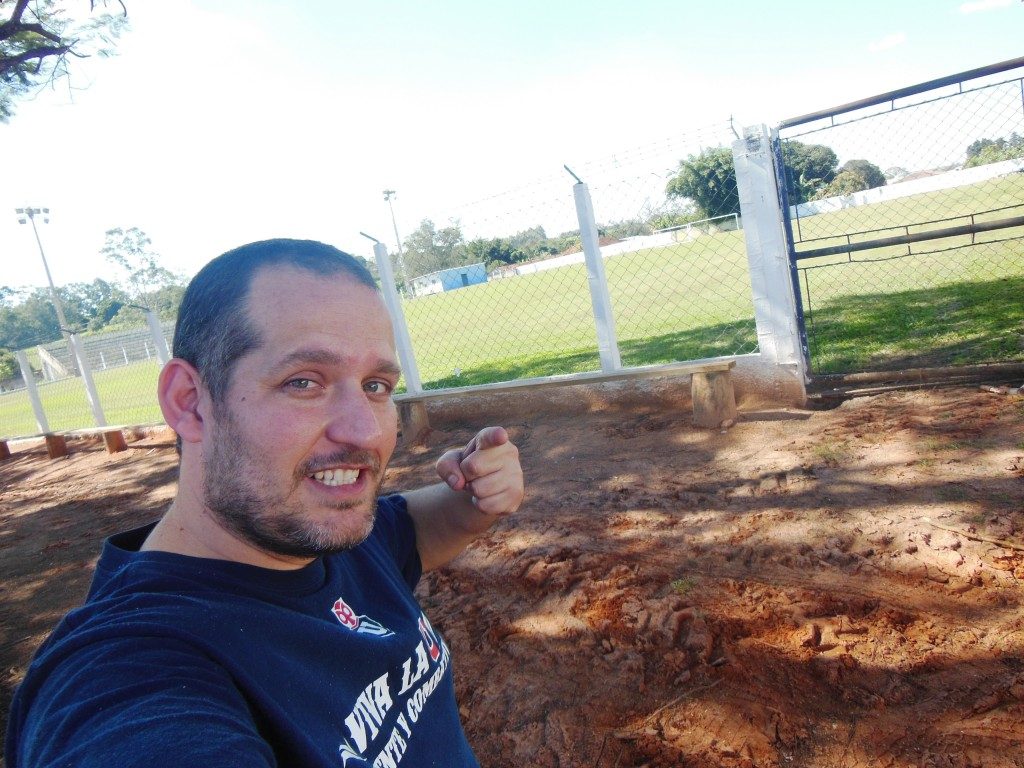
[[33, 393], [162, 354], [90, 385], [775, 312], [607, 344], [394, 305]]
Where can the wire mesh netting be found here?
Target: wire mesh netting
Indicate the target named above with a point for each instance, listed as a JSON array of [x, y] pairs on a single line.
[[907, 224], [679, 280], [512, 305], [123, 366], [518, 303]]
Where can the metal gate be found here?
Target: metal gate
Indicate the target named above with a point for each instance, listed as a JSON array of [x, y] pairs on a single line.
[[904, 215]]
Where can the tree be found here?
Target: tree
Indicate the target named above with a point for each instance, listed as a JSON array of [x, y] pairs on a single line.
[[495, 252], [164, 302], [854, 176], [809, 167], [31, 322], [871, 173], [39, 36], [709, 180], [531, 242], [9, 367], [985, 151], [130, 250], [429, 249], [623, 229], [845, 183]]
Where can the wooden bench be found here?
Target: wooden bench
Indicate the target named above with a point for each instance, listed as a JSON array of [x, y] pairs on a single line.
[[714, 401]]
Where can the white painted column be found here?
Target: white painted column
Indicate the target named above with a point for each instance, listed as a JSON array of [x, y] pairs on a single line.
[[157, 332], [33, 393], [90, 385], [607, 343], [778, 335], [402, 340]]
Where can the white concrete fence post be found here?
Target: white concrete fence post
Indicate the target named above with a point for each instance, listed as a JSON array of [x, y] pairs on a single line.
[[778, 335], [607, 343], [402, 340], [157, 332], [33, 393], [90, 385]]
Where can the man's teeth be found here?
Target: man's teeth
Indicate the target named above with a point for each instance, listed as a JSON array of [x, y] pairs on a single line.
[[336, 476]]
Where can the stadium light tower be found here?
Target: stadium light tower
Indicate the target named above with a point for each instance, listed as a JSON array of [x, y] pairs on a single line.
[[388, 194], [28, 215]]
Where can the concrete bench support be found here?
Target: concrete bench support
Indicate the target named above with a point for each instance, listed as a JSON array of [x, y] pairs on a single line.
[[714, 401], [711, 390], [412, 415], [114, 440], [56, 446], [5, 452]]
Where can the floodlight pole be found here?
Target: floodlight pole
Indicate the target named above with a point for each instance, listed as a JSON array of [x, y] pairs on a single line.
[[28, 215], [388, 194]]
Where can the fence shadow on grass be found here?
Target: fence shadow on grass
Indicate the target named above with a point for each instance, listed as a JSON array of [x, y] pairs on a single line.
[[960, 324], [719, 340]]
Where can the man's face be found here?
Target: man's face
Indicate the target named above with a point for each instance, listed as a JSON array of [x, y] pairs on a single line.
[[299, 446]]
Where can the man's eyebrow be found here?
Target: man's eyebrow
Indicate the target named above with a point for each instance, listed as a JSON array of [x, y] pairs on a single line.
[[388, 366], [319, 356], [315, 356]]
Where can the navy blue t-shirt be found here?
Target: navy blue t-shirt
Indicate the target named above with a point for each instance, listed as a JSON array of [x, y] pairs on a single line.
[[177, 660]]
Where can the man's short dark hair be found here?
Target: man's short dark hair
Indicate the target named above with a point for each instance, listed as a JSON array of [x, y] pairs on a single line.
[[214, 329]]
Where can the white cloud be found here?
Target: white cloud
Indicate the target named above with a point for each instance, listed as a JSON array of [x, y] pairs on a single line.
[[887, 42], [977, 6]]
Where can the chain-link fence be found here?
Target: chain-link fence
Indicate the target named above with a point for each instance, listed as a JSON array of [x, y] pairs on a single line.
[[86, 380], [905, 216], [526, 311], [907, 225], [677, 282]]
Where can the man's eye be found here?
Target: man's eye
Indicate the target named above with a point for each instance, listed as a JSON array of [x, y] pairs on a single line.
[[301, 384], [378, 387]]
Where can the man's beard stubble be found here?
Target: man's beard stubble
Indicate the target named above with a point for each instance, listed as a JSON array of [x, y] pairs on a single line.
[[240, 496]]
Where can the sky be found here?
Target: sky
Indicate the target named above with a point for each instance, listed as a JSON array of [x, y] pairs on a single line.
[[221, 122]]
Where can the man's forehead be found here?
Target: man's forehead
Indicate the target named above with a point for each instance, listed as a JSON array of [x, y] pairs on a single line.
[[297, 291], [303, 314]]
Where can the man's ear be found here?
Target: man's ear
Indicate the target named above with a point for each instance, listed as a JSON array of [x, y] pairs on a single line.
[[180, 391]]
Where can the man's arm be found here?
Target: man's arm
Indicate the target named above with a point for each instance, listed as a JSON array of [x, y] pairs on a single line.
[[482, 482], [134, 702]]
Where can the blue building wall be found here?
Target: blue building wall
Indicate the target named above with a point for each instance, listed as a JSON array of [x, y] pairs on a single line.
[[450, 279]]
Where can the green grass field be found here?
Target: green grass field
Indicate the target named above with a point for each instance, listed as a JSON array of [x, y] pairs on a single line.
[[952, 308], [881, 309], [683, 302], [127, 394], [989, 200], [953, 301]]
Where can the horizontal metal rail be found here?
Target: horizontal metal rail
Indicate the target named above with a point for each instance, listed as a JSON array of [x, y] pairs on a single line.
[[900, 93], [917, 237], [906, 227]]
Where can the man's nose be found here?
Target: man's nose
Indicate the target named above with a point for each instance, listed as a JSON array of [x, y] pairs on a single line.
[[354, 421]]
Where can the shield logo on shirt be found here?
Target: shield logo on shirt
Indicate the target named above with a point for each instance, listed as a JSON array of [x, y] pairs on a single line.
[[358, 622]]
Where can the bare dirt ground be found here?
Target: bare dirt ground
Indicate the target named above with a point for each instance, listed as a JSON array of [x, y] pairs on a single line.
[[830, 588]]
